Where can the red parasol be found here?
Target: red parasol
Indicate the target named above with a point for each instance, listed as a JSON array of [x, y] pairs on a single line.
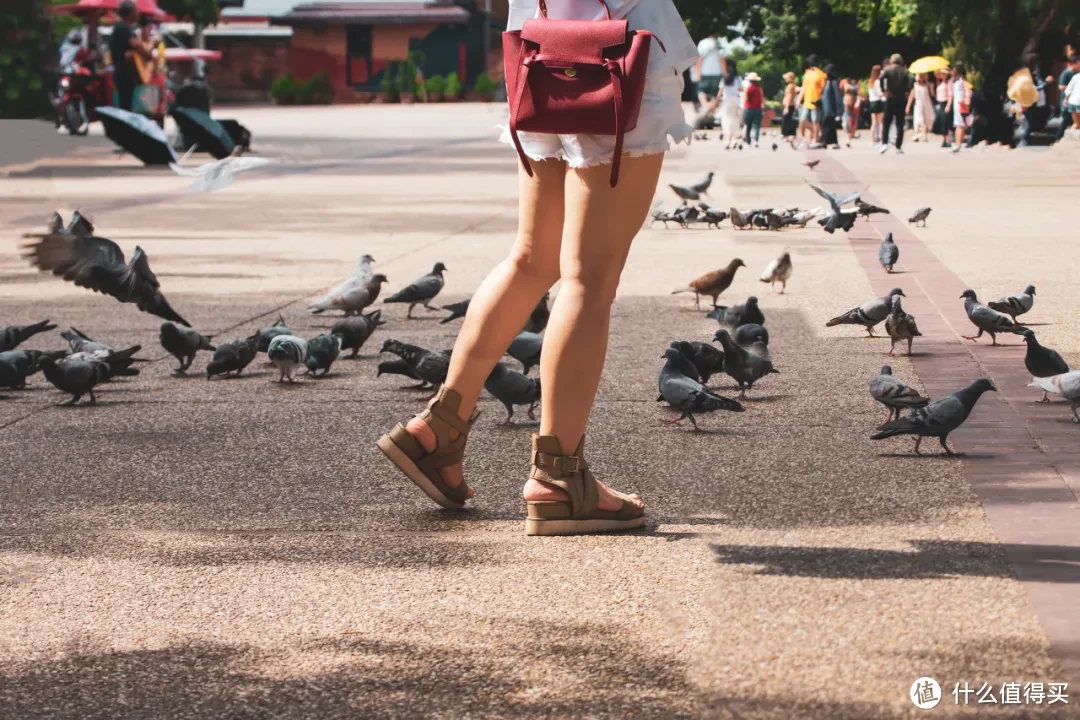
[[100, 7]]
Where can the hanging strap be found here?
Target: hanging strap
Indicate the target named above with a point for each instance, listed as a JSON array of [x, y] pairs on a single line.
[[616, 87], [607, 10]]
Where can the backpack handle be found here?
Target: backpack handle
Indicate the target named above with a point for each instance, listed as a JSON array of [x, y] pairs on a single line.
[[543, 9]]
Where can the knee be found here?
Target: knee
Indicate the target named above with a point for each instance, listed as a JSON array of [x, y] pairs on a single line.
[[534, 267], [596, 282]]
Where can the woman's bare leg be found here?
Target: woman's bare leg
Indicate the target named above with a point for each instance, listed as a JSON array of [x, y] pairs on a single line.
[[503, 302], [601, 222]]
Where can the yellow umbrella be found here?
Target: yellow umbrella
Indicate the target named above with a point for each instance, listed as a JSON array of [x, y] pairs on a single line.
[[928, 64]]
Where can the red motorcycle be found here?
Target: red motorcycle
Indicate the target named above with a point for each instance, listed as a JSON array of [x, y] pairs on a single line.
[[81, 90]]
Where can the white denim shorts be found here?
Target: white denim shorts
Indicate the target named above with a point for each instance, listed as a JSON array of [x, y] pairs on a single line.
[[661, 124]]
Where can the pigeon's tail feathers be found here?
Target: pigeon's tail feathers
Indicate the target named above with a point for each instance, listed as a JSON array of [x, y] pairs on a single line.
[[849, 318], [127, 354], [314, 310], [773, 371], [900, 426], [43, 326], [1046, 384], [716, 402], [1018, 329], [686, 289]]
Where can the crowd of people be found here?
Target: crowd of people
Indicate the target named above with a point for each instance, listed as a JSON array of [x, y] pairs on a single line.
[[821, 109]]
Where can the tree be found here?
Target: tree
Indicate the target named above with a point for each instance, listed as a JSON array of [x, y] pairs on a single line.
[[199, 12]]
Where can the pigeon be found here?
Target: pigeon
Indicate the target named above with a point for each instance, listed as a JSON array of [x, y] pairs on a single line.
[[322, 351], [538, 320], [80, 342], [703, 186], [738, 220], [737, 315], [1067, 385], [750, 333], [919, 216], [354, 300], [182, 344], [986, 320], [712, 283], [1015, 304], [869, 314], [811, 163], [775, 147], [938, 418], [354, 331], [686, 394], [900, 326], [98, 264], [707, 360], [512, 388], [287, 352], [233, 357], [888, 253], [457, 310], [13, 336], [744, 366], [525, 348], [778, 271], [686, 215], [867, 209], [269, 333], [711, 217], [399, 367], [360, 277], [21, 364], [80, 373], [685, 193], [421, 292], [218, 174], [430, 366], [801, 218], [838, 218], [1041, 362], [78, 225], [664, 217], [895, 394]]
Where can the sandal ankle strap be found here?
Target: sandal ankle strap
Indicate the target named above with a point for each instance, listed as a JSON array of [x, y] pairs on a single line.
[[564, 463]]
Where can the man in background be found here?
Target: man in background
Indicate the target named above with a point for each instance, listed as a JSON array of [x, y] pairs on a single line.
[[813, 85], [709, 69], [896, 84], [123, 41]]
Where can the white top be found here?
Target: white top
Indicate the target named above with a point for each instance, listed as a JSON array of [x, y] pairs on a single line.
[[709, 50], [875, 93], [657, 16], [732, 91], [1072, 90]]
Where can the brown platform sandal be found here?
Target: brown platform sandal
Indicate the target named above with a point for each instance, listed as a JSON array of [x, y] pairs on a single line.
[[421, 466], [571, 474]]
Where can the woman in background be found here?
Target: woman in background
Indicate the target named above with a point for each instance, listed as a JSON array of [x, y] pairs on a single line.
[[790, 122], [942, 122], [959, 106], [923, 104], [730, 98], [753, 107], [877, 104], [832, 108], [852, 109]]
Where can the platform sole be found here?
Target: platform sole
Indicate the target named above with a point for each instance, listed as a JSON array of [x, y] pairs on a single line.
[[405, 464], [537, 526]]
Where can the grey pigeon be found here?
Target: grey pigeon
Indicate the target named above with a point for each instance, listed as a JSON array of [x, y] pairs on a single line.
[[287, 352], [355, 331], [869, 314], [353, 299], [888, 253], [736, 315], [706, 359], [866, 209], [538, 319], [21, 364], [421, 292], [343, 293], [895, 394], [182, 343], [744, 366], [1067, 385], [686, 215], [703, 186], [1016, 304], [457, 310], [919, 216], [682, 364], [838, 218], [811, 163], [98, 264], [400, 367], [13, 336], [269, 333], [1041, 362], [900, 326], [685, 193], [664, 217], [938, 418], [738, 220], [513, 388], [233, 357], [80, 342], [10, 377], [80, 373], [751, 333], [430, 365], [986, 320], [686, 394], [322, 351], [525, 348]]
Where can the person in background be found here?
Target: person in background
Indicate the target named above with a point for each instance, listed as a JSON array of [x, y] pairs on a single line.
[[813, 85], [729, 100], [920, 103], [1035, 116], [896, 84], [709, 69], [789, 124], [1063, 81], [959, 106], [832, 108], [852, 109], [122, 41], [1072, 95], [942, 121], [877, 104], [753, 107]]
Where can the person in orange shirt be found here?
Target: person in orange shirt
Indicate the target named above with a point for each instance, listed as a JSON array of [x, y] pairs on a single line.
[[813, 85]]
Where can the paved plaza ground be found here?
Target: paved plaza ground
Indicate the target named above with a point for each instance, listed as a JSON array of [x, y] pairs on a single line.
[[240, 549]]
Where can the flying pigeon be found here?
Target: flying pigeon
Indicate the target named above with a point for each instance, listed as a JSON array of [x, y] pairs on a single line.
[[986, 320], [686, 394], [78, 225], [525, 348], [707, 360], [457, 310], [888, 253], [218, 174], [322, 351], [288, 353], [712, 283], [703, 186], [778, 271], [869, 314], [182, 344], [269, 333], [421, 292], [513, 388], [738, 220], [750, 333], [736, 315], [685, 193], [1016, 304], [354, 331], [1041, 362], [430, 366], [895, 394], [811, 163], [21, 364], [744, 366], [919, 216], [13, 336], [538, 319], [80, 373], [938, 418], [900, 326], [867, 209], [838, 218], [233, 357], [1067, 385]]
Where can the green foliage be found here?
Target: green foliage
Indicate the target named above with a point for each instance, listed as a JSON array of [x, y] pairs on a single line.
[[319, 85], [27, 50], [436, 84], [403, 84], [484, 84], [201, 12], [453, 86], [283, 88]]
